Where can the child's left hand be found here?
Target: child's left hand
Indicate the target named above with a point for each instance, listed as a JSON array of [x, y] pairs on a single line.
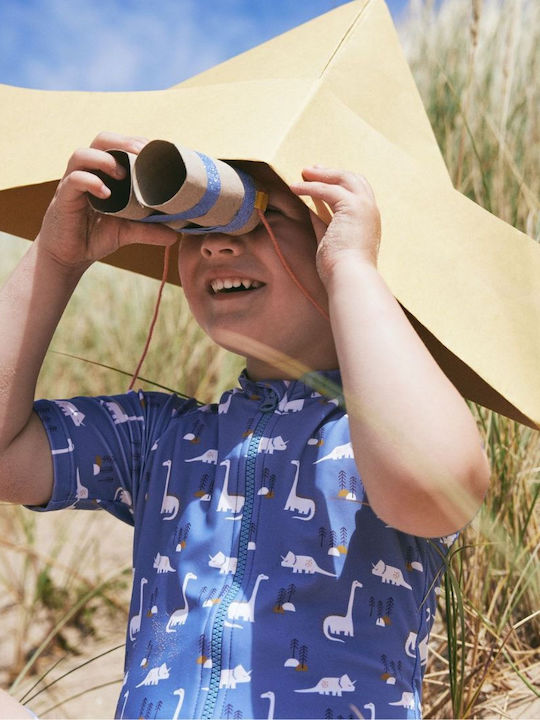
[[355, 229]]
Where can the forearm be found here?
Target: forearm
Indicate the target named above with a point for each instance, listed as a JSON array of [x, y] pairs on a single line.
[[31, 304], [416, 444]]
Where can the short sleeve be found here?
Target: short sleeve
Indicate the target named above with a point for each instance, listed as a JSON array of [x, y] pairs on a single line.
[[99, 447]]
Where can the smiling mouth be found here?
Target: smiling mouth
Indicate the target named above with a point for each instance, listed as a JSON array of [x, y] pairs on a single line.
[[234, 285]]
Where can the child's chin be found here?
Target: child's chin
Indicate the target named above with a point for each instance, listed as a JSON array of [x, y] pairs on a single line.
[[229, 339]]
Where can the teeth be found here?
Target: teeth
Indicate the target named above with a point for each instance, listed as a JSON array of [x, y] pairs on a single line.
[[228, 283]]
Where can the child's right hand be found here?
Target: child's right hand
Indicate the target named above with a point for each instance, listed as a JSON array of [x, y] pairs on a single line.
[[72, 233]]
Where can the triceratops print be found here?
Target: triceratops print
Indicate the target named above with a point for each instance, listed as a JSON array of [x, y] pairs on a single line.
[[390, 574], [303, 564], [271, 444], [155, 674], [331, 686]]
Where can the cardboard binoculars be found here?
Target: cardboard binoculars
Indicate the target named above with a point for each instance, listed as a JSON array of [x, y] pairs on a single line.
[[183, 189]]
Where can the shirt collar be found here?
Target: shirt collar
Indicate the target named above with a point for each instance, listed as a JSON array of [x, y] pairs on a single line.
[[324, 382]]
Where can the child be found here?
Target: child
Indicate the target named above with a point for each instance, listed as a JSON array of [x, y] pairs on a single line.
[[283, 566]]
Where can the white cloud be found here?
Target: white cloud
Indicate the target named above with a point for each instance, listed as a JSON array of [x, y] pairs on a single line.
[[114, 45]]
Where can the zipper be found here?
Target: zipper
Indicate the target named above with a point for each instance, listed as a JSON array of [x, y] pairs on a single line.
[[267, 408]]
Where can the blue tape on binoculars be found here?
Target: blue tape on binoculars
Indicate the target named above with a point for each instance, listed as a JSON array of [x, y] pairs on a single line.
[[209, 199]]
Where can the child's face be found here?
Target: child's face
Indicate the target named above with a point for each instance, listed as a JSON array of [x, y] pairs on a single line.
[[272, 310]]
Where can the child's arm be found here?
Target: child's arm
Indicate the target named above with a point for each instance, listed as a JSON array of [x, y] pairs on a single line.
[[32, 301], [415, 442]]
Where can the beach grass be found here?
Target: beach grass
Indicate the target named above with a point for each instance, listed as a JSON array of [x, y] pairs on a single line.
[[476, 65]]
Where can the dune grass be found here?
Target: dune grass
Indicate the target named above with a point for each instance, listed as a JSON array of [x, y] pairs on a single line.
[[475, 64]]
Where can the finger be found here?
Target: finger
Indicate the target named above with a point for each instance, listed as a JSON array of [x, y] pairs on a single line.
[[79, 182], [107, 140], [95, 160], [331, 194], [349, 180]]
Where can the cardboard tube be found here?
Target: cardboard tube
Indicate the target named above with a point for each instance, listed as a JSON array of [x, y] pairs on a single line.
[[175, 180], [122, 202]]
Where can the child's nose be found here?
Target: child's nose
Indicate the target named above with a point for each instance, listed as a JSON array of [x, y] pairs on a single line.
[[215, 244]]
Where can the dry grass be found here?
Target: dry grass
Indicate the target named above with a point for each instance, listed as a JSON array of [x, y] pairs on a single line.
[[476, 64]]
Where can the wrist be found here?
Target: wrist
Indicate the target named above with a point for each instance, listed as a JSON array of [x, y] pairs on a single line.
[[348, 266], [51, 264]]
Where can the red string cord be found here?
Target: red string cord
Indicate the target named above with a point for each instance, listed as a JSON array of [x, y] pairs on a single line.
[[154, 318], [289, 270]]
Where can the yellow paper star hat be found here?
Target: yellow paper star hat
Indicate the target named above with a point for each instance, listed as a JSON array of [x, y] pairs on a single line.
[[336, 91]]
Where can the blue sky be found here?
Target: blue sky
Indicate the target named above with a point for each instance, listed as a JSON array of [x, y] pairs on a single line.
[[137, 44]]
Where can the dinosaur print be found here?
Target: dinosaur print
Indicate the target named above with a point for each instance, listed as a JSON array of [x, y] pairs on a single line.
[[338, 453], [230, 677], [341, 623], [224, 406], [118, 414], [296, 503], [71, 411], [270, 696], [179, 616], [406, 701], [411, 646], [246, 610], [210, 456], [229, 503], [162, 564], [154, 675], [185, 479], [371, 708], [286, 406], [180, 692], [82, 490], [62, 451], [448, 540], [135, 622], [224, 563], [170, 503], [331, 686], [390, 574], [303, 564], [269, 444]]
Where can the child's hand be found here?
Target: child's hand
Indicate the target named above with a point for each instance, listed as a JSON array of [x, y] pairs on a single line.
[[72, 233], [355, 229]]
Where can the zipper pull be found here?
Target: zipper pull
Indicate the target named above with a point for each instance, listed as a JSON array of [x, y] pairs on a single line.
[[270, 400]]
